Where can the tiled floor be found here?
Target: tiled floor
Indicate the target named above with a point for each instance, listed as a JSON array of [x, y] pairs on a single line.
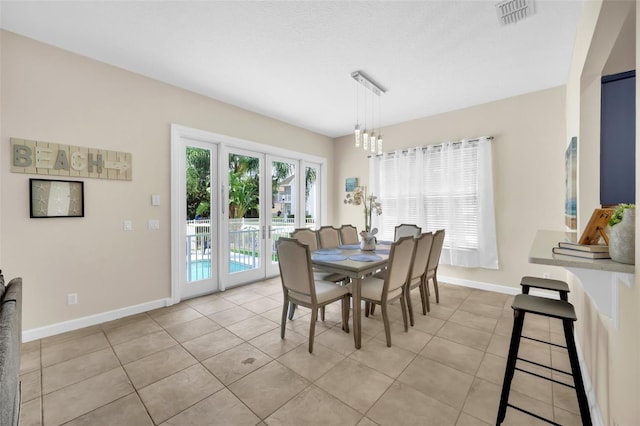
[[219, 359]]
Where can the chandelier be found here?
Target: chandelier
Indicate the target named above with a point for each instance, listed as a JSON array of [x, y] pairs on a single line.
[[365, 136]]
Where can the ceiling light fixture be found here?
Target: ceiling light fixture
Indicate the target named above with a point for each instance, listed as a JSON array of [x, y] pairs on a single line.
[[362, 137]]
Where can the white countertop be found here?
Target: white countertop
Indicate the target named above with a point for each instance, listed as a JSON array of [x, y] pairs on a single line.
[[600, 278], [541, 253]]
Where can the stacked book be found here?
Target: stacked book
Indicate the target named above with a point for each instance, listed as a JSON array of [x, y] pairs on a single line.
[[586, 251]]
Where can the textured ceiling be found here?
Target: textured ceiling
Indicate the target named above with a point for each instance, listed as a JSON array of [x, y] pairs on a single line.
[[292, 60]]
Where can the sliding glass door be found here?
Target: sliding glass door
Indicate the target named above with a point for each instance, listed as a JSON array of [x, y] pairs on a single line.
[[197, 240], [262, 207], [282, 207], [231, 202], [245, 233]]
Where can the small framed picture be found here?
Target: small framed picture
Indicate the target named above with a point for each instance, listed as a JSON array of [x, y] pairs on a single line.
[[56, 198], [350, 184]]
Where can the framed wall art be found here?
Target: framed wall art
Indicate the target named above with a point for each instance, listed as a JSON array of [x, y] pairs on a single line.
[[571, 184], [56, 198], [350, 184]]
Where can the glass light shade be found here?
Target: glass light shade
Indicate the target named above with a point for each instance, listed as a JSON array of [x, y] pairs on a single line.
[[372, 143], [365, 140], [357, 136], [379, 144]]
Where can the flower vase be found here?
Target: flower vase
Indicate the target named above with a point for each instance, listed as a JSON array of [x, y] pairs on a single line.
[[622, 247], [368, 241]]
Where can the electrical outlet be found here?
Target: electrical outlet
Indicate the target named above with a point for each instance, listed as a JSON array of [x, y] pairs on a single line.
[[72, 299], [127, 225], [154, 224]]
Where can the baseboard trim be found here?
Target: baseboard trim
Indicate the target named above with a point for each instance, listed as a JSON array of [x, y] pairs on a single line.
[[75, 324], [596, 415], [478, 285]]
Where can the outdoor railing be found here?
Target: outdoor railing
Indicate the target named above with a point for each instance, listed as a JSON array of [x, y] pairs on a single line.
[[243, 247]]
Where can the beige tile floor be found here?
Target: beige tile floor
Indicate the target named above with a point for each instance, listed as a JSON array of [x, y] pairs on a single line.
[[219, 359]]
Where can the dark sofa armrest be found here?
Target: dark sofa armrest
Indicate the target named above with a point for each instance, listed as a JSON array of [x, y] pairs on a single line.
[[10, 344]]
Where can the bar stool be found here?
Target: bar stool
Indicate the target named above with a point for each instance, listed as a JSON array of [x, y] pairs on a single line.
[[546, 284], [553, 308]]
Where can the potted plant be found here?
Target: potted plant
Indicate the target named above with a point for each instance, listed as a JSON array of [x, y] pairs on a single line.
[[371, 204], [622, 234]]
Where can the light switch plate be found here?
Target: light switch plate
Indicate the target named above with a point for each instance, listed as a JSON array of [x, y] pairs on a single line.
[[155, 200]]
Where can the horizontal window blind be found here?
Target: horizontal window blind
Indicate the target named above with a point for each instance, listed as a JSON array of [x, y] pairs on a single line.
[[447, 186]]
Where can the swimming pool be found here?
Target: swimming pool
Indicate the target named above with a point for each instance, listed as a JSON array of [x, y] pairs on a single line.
[[201, 269]]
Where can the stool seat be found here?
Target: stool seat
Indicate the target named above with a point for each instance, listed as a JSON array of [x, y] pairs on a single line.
[[546, 284], [542, 306]]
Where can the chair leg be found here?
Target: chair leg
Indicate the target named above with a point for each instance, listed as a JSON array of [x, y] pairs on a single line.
[[366, 309], [283, 322], [373, 308], [312, 328], [385, 320], [292, 309], [425, 289], [422, 301], [404, 312], [518, 322], [407, 295], [345, 313], [322, 313], [435, 288]]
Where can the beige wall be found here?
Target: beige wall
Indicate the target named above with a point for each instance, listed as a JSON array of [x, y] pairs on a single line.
[[531, 134], [528, 153], [607, 43], [52, 95]]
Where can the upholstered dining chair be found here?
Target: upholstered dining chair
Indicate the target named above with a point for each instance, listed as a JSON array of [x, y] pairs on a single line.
[[419, 272], [299, 286], [349, 234], [328, 237], [434, 260], [310, 237], [306, 236], [406, 230], [392, 287]]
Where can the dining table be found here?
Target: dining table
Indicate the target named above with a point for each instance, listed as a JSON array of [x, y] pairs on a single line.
[[349, 260]]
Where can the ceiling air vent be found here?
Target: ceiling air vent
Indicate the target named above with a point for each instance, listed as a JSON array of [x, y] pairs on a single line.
[[512, 11]]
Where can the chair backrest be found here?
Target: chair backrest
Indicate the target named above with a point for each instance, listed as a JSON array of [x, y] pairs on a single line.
[[400, 260], [436, 249], [294, 261], [406, 230], [306, 236], [328, 237], [349, 234], [423, 252]]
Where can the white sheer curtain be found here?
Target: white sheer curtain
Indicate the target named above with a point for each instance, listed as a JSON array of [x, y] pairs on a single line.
[[447, 186]]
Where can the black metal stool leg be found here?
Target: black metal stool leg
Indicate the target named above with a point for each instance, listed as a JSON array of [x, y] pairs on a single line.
[[583, 402], [518, 322]]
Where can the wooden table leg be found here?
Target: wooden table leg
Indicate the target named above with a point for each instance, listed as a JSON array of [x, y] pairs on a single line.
[[355, 292]]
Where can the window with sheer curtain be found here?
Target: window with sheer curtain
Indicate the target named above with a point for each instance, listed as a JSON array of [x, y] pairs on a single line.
[[447, 186]]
